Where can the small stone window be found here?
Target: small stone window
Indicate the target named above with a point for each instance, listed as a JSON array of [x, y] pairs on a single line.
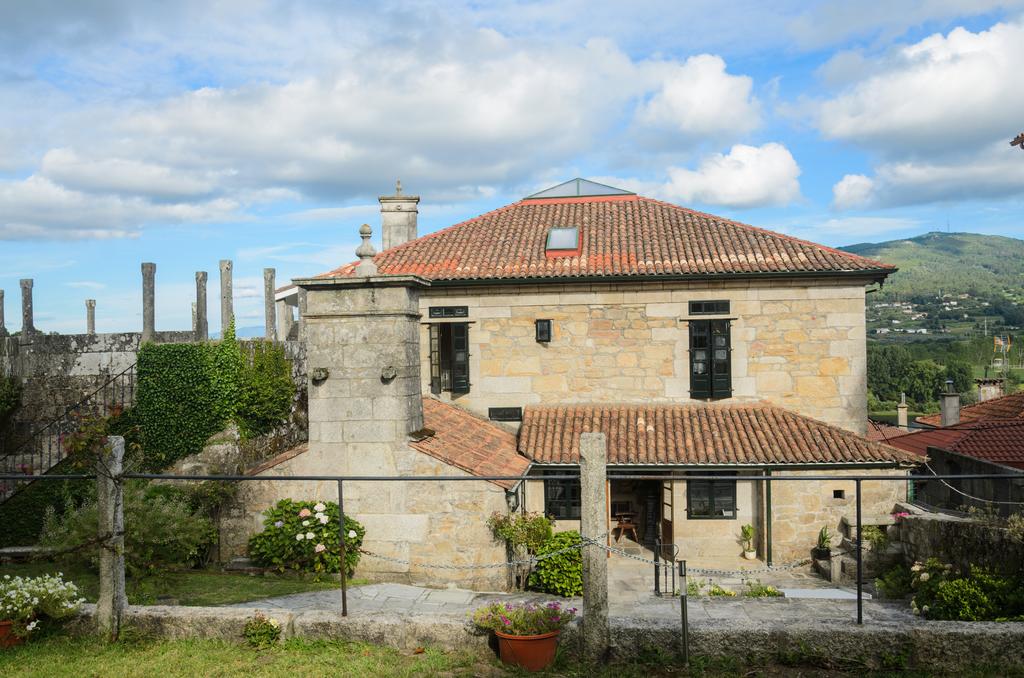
[[709, 307], [543, 330], [839, 494]]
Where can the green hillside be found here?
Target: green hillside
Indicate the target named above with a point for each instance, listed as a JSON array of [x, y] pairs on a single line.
[[951, 263]]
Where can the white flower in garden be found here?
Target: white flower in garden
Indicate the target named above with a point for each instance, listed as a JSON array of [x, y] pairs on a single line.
[[323, 519], [924, 609], [305, 523], [925, 576], [320, 507], [300, 537], [32, 626], [351, 534], [310, 535], [279, 523], [320, 548]]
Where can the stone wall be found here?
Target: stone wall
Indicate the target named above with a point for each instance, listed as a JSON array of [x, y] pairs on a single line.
[[959, 541], [796, 343]]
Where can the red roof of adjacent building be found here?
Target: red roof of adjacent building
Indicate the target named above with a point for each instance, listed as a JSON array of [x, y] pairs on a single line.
[[619, 236], [1005, 407], [995, 440], [470, 443], [879, 430], [697, 434]]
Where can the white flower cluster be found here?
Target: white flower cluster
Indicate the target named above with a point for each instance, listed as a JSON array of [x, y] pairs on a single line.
[[24, 600]]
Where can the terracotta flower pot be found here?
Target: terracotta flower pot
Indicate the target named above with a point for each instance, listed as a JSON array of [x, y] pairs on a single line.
[[7, 637], [532, 653]]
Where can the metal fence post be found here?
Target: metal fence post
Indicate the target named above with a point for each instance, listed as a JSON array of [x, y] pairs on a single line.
[[112, 602], [683, 613], [657, 568], [860, 563], [341, 534]]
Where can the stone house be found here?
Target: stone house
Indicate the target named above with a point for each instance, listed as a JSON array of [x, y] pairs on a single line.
[[696, 343]]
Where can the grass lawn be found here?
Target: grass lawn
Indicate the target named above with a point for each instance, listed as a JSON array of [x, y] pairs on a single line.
[[58, 656], [188, 587]]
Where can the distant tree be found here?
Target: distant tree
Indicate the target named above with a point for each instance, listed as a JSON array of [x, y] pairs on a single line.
[[924, 381], [961, 374]]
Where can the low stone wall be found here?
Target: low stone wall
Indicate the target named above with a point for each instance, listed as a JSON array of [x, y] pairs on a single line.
[[959, 541], [948, 647]]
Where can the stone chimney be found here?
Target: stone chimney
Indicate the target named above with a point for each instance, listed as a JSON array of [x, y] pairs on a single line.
[[901, 413], [398, 217], [950, 405], [989, 389]]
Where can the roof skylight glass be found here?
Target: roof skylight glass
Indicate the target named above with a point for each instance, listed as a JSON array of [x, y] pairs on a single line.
[[576, 188], [563, 238]]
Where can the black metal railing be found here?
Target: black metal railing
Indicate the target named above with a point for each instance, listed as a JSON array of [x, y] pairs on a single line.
[[665, 556], [45, 447]]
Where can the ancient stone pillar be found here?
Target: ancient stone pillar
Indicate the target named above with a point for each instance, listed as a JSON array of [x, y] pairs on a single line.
[[90, 316], [268, 304], [27, 326], [112, 602], [3, 325], [227, 309], [398, 217], [148, 301], [202, 324], [594, 526], [285, 320]]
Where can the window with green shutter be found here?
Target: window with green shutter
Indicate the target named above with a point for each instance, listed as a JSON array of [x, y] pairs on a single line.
[[710, 359]]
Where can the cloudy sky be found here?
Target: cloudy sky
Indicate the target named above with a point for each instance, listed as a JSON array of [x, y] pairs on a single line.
[[188, 132]]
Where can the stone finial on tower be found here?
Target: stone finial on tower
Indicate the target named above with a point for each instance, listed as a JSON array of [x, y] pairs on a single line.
[[90, 316], [398, 217], [365, 252]]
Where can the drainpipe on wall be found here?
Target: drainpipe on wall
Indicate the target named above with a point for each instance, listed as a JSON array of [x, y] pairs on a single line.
[[768, 518]]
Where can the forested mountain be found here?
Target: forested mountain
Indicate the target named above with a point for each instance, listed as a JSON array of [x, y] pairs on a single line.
[[988, 266]]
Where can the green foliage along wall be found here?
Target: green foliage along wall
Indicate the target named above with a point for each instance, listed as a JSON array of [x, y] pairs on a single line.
[[188, 392]]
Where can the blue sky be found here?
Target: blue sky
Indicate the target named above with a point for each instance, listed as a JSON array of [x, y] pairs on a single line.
[[262, 132]]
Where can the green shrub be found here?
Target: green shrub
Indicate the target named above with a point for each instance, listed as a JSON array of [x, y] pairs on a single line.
[[895, 583], [756, 589], [10, 400], [265, 390], [561, 574], [720, 591], [303, 536], [942, 594], [161, 530], [24, 512], [959, 599], [262, 631], [521, 530]]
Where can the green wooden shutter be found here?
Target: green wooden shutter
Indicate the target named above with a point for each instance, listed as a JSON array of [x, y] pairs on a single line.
[[435, 359], [700, 359], [460, 357]]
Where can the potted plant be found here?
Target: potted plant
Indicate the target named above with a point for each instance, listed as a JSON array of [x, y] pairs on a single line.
[[527, 634], [27, 602], [823, 550], [747, 539]]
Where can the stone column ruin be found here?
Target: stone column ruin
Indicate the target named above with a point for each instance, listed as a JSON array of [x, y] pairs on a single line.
[[202, 323], [268, 303], [227, 311], [90, 316], [112, 602], [148, 301], [27, 326], [3, 326], [594, 525]]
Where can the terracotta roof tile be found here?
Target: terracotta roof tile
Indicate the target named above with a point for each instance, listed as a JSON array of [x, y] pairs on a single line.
[[696, 434], [879, 430], [620, 236], [470, 443], [1005, 407], [997, 440]]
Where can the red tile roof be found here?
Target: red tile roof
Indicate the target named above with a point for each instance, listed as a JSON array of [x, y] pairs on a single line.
[[696, 434], [620, 236], [879, 430], [998, 441], [1005, 407], [470, 443]]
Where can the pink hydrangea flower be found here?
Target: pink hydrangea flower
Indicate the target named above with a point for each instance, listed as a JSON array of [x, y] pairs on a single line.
[[305, 513]]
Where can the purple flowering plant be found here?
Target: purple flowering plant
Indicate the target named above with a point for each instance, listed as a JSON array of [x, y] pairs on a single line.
[[527, 619]]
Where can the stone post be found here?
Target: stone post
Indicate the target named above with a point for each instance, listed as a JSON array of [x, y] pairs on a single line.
[[594, 525], [227, 311], [3, 326], [27, 326], [90, 316], [113, 602], [202, 324], [268, 304], [148, 301], [285, 320]]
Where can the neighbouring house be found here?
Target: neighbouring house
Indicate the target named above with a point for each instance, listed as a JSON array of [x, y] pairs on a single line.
[[697, 344]]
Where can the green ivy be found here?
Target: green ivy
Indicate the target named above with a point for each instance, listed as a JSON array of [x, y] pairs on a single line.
[[22, 515], [10, 400], [285, 542], [265, 389], [561, 574]]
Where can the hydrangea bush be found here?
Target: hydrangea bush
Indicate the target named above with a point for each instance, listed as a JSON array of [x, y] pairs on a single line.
[[529, 619], [30, 602], [303, 536], [940, 592]]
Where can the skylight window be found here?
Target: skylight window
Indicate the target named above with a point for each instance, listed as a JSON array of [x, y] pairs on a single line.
[[563, 238]]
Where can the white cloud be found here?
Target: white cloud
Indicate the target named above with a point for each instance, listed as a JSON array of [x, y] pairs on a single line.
[[697, 101], [125, 176], [946, 93], [852, 191], [749, 176], [86, 285]]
